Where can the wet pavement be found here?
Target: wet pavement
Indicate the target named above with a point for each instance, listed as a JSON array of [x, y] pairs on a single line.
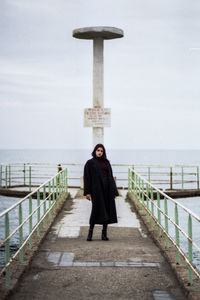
[[128, 266]]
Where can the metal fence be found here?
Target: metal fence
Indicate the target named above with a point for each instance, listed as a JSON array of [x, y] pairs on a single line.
[[177, 177], [174, 221], [27, 216]]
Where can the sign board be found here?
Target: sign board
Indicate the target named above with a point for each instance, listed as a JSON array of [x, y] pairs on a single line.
[[97, 117]]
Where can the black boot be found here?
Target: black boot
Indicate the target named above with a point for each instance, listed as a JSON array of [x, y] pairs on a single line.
[[90, 232], [104, 235]]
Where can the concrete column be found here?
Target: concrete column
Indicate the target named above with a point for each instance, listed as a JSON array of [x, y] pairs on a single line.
[[98, 68], [98, 35], [98, 134], [98, 85]]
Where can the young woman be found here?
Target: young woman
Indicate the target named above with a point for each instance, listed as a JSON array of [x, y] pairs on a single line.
[[100, 189]]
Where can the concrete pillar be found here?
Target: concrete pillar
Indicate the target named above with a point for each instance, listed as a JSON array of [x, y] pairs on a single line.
[[98, 34], [98, 85], [98, 135], [98, 68]]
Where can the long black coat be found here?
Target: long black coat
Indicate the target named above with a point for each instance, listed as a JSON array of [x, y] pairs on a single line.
[[93, 184]]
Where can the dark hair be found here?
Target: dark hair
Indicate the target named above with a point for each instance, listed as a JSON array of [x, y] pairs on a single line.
[[99, 146]]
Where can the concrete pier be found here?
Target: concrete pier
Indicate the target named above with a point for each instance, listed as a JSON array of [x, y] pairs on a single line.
[[128, 266]]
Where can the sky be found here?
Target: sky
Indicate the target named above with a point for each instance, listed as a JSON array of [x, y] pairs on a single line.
[[151, 75]]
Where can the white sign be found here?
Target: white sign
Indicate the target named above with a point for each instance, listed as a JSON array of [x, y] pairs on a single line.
[[97, 117]]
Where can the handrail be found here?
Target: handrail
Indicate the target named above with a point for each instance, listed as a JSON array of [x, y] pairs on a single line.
[[170, 177], [26, 197], [53, 191], [168, 197], [144, 193], [113, 164]]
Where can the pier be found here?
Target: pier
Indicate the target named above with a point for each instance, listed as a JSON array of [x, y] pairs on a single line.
[[143, 258], [150, 103], [66, 266]]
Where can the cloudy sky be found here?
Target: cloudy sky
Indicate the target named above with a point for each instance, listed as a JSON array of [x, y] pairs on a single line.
[[151, 76]]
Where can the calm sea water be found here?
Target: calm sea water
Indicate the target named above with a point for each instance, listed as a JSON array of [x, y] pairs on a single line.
[[161, 157], [169, 157]]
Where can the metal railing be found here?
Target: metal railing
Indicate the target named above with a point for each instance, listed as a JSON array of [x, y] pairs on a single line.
[[177, 177], [173, 220], [26, 174], [27, 215]]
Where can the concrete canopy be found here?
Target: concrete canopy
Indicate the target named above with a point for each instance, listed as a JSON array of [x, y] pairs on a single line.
[[104, 32]]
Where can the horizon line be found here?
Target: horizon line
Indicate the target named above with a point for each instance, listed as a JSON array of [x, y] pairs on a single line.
[[107, 148]]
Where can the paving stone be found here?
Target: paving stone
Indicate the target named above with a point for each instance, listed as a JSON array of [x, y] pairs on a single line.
[[66, 259], [162, 295]]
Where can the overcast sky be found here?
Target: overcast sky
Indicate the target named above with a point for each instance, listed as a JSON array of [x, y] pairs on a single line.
[[151, 76]]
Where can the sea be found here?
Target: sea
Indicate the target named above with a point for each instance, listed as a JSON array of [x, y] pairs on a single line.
[[116, 156]]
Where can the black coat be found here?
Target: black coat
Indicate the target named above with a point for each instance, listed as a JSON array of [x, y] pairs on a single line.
[[103, 204]]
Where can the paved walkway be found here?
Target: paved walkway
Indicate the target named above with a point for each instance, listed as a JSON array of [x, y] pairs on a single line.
[[128, 266]]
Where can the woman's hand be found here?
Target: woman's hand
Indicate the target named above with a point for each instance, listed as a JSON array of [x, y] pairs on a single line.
[[88, 196]]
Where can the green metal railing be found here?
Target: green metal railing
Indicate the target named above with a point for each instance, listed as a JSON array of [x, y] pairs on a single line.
[[177, 177], [30, 175], [49, 196], [148, 198]]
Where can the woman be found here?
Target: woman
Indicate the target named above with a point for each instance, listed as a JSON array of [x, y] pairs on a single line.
[[100, 188]]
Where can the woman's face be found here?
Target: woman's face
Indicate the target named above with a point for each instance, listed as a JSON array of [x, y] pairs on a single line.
[[99, 152]]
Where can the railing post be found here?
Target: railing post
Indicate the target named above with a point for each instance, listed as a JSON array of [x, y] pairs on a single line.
[[159, 215], [6, 177], [129, 180], [142, 196], [0, 175], [198, 178], [136, 187], [21, 253], [57, 191], [53, 184], [38, 212], [177, 234], [132, 177], [7, 248], [139, 190], [66, 182], [147, 200], [171, 179], [30, 222], [152, 209], [190, 248], [63, 185], [44, 206], [133, 181], [60, 187], [50, 216], [9, 175], [29, 178], [166, 222], [182, 178], [149, 174], [24, 171]]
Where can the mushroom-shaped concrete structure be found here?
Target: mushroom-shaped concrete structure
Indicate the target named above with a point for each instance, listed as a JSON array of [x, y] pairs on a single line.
[[98, 35], [104, 32]]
